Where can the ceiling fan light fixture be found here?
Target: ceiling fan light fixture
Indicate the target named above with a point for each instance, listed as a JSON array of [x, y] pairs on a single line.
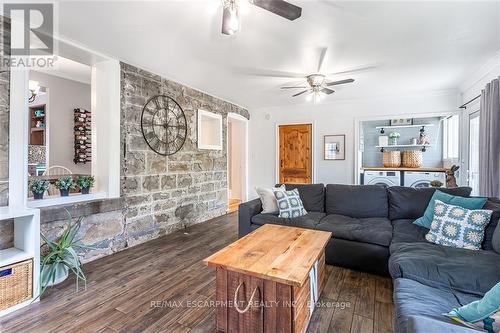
[[316, 80], [34, 88], [231, 17]]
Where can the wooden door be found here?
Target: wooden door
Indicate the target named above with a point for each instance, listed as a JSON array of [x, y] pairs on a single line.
[[295, 155]]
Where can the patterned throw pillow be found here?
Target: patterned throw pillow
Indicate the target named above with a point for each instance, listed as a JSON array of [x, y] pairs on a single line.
[[457, 226], [289, 203]]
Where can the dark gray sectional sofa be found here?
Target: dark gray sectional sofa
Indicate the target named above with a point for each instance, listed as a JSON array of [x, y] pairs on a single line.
[[372, 231]]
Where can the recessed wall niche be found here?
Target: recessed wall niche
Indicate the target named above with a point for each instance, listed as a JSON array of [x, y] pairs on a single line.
[[209, 130]]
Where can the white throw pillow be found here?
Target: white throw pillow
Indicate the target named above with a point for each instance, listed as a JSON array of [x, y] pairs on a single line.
[[269, 202]]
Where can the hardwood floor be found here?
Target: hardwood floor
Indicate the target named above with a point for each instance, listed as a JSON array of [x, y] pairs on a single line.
[[156, 287]]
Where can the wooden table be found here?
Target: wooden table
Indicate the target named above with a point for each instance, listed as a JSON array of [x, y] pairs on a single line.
[[264, 279]]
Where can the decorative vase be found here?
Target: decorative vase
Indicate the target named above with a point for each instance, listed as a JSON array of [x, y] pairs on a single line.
[[64, 193], [85, 190], [61, 274], [393, 141], [37, 196]]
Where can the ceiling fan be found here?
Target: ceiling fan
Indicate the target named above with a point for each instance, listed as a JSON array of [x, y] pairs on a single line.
[[317, 83], [231, 12]]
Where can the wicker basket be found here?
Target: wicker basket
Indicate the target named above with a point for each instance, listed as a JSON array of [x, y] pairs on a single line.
[[412, 159], [16, 283], [392, 158]]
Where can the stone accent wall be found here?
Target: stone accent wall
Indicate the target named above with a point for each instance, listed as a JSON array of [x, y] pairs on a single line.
[[159, 194], [4, 116]]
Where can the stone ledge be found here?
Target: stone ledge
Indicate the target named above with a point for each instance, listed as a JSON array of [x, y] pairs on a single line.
[[57, 213]]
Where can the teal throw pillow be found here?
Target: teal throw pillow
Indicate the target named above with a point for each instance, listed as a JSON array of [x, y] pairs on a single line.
[[459, 227], [289, 203], [469, 203], [483, 314]]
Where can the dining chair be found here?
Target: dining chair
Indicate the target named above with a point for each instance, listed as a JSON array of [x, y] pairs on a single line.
[[56, 170]]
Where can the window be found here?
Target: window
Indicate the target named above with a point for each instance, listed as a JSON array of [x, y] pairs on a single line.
[[451, 139]]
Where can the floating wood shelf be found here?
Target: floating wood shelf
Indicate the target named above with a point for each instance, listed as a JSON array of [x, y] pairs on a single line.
[[404, 126], [403, 146]]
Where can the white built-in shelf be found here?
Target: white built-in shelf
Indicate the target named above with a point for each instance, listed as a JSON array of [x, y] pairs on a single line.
[[13, 255], [403, 146], [403, 126], [26, 245], [59, 200], [13, 212]]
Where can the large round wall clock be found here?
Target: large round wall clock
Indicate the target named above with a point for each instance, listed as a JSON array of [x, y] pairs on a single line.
[[163, 125]]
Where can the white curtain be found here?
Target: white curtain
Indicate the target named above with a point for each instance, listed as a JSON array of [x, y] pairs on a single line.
[[489, 140]]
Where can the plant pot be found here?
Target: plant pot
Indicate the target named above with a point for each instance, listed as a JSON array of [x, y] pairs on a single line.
[[393, 141], [61, 274], [85, 190], [37, 196], [64, 193]]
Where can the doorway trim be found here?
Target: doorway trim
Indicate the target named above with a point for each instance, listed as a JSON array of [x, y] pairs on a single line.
[[238, 117], [277, 147]]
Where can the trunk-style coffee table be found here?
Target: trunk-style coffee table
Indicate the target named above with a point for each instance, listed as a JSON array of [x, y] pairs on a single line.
[[269, 280]]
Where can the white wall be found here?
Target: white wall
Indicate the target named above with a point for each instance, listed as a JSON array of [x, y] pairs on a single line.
[[332, 118], [476, 81], [63, 96]]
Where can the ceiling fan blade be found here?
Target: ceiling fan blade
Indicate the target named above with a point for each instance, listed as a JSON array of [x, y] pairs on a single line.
[[279, 7], [300, 93], [355, 70], [298, 87], [269, 73], [322, 59], [327, 91], [334, 83], [230, 21]]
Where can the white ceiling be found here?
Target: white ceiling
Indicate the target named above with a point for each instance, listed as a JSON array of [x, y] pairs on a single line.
[[415, 46]]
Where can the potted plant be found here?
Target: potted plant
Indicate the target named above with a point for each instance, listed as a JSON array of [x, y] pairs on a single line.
[[59, 257], [38, 187], [436, 183], [394, 136], [85, 183], [64, 184]]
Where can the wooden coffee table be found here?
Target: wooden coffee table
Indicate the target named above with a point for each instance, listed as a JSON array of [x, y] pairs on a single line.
[[265, 280]]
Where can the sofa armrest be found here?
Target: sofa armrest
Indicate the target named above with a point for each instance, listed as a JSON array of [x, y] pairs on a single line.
[[245, 213], [420, 324]]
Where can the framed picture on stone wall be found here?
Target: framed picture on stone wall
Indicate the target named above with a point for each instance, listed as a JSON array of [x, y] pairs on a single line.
[[334, 147]]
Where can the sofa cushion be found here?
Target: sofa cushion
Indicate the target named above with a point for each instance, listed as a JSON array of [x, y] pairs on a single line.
[[404, 231], [412, 298], [312, 196], [421, 324], [410, 203], [492, 232], [308, 221], [375, 230], [269, 202], [473, 272], [357, 200]]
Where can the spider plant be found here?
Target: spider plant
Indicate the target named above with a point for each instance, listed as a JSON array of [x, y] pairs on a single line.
[[58, 257]]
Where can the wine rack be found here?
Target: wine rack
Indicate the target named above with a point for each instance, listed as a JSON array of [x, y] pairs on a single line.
[[83, 147]]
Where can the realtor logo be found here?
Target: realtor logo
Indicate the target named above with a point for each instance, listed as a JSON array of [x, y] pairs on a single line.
[[32, 29]]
